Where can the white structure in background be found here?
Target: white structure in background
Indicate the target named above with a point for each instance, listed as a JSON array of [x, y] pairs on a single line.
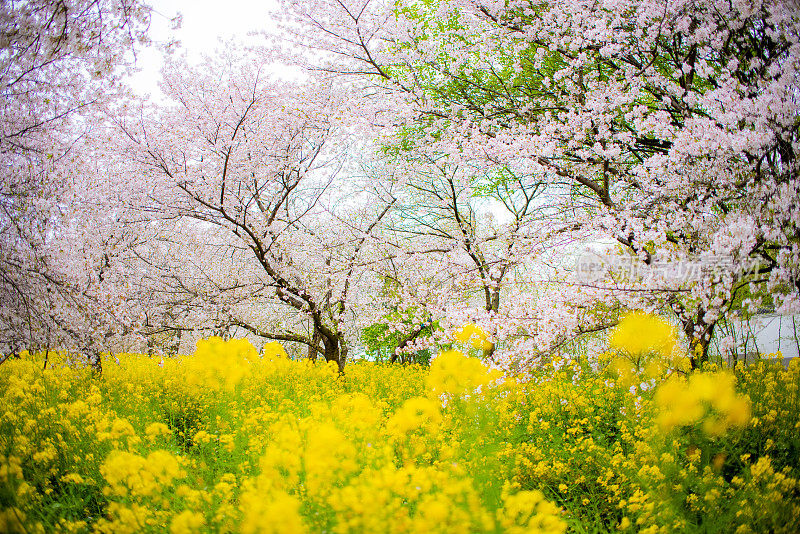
[[768, 334]]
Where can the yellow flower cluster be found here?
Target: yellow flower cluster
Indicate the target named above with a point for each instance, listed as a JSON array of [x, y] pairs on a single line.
[[454, 374], [707, 398], [473, 335], [529, 511], [218, 363], [647, 348], [368, 467], [268, 444], [127, 473], [640, 332]]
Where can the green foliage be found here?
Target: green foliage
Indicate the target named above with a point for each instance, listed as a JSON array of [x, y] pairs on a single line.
[[380, 342]]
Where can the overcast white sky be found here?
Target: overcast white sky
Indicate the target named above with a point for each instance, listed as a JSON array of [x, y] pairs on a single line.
[[205, 22]]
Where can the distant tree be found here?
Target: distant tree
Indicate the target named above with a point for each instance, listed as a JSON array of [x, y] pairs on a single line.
[[61, 64], [254, 166]]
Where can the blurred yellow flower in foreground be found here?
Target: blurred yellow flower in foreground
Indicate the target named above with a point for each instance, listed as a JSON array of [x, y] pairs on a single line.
[[219, 363], [707, 398], [473, 335], [640, 332], [454, 373], [529, 511], [648, 349], [273, 349]]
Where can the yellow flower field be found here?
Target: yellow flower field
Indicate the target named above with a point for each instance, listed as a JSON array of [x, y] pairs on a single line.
[[230, 440]]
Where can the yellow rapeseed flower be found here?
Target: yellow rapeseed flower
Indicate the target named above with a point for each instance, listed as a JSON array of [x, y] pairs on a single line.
[[529, 511], [156, 430], [474, 335], [707, 398], [274, 349], [187, 522], [454, 373], [640, 333], [417, 413], [273, 512]]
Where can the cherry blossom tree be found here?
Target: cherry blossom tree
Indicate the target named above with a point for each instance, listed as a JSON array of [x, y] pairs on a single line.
[[256, 167], [53, 53], [672, 127], [473, 226], [61, 64]]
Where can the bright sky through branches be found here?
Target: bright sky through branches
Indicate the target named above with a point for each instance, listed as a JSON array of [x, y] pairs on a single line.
[[205, 25]]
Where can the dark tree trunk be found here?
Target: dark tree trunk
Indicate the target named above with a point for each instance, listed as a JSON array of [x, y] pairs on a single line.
[[175, 346], [698, 331], [492, 305], [398, 353], [95, 362], [333, 346], [314, 347]]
